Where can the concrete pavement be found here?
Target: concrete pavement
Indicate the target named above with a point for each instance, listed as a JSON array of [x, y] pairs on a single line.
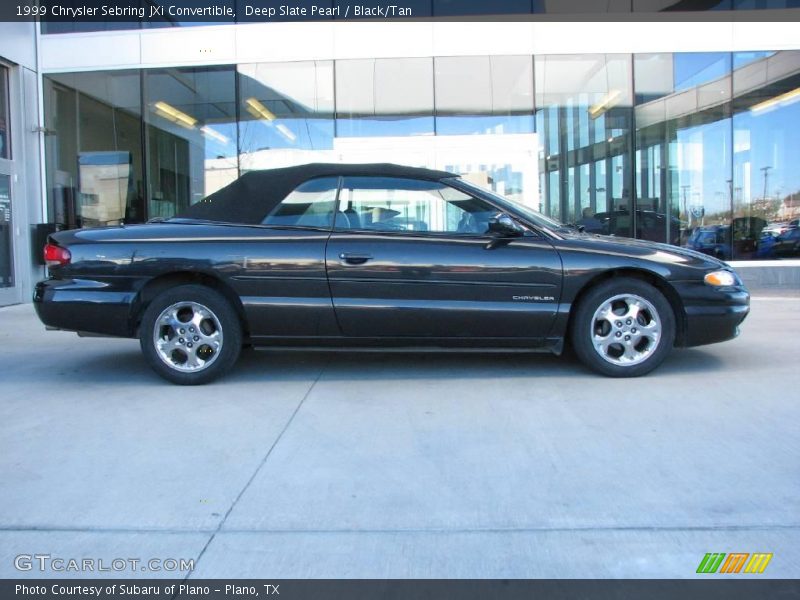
[[391, 465]]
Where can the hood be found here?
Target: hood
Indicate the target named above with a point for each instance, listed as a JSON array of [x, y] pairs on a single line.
[[646, 250]]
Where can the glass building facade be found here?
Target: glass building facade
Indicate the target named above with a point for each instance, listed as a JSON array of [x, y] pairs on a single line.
[[692, 149]]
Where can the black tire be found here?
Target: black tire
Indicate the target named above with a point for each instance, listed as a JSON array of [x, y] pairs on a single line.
[[201, 354], [642, 341]]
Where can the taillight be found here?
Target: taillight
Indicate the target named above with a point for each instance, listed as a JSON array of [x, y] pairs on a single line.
[[56, 255]]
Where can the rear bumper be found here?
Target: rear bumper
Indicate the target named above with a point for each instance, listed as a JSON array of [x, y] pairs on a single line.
[[712, 314], [85, 306]]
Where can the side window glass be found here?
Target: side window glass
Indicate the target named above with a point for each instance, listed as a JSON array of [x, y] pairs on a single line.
[[410, 205], [311, 204]]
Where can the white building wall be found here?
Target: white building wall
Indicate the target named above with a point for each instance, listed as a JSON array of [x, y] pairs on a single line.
[[18, 52], [18, 43], [280, 42]]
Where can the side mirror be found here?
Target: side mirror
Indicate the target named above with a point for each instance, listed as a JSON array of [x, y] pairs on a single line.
[[503, 225]]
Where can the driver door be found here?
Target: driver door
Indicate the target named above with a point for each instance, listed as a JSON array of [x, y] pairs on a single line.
[[413, 258]]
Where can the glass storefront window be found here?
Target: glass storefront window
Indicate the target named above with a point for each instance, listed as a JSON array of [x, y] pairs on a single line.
[[490, 97], [93, 149], [683, 157], [709, 166], [5, 129], [740, 59], [766, 181], [384, 97], [191, 135], [285, 114], [583, 114], [484, 95]]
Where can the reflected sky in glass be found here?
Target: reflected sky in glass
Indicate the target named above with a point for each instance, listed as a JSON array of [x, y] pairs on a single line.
[[696, 68]]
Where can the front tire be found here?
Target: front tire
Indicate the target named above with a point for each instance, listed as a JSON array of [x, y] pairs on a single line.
[[623, 327], [190, 335]]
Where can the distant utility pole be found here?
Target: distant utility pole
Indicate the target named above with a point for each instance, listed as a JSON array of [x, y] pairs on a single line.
[[686, 188], [766, 175], [730, 193]]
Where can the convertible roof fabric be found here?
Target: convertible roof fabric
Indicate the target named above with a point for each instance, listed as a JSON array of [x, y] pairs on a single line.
[[251, 197]]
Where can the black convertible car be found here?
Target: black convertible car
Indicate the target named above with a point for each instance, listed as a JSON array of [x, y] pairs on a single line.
[[368, 256]]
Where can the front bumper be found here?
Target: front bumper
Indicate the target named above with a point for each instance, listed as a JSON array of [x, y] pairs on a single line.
[[712, 314], [85, 306]]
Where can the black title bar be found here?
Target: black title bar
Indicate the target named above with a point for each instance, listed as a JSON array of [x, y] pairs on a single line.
[[713, 588], [176, 12]]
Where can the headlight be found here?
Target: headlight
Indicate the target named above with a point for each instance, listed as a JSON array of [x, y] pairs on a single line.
[[721, 279]]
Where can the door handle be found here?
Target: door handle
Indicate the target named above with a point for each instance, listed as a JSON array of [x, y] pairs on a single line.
[[354, 259]]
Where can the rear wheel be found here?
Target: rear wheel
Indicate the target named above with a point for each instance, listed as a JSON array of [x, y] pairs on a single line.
[[624, 327], [190, 335]]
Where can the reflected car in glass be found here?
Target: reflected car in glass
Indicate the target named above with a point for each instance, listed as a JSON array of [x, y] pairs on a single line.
[[650, 225], [779, 240], [355, 257], [787, 244], [714, 240]]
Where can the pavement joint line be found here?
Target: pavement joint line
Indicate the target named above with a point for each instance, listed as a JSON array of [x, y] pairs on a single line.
[[432, 530], [259, 467]]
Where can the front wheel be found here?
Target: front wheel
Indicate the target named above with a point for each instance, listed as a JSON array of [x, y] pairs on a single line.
[[623, 328], [190, 335]]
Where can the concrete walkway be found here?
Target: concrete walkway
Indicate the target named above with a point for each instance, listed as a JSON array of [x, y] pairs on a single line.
[[386, 465]]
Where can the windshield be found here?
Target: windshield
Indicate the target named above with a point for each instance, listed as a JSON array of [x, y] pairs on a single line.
[[532, 215]]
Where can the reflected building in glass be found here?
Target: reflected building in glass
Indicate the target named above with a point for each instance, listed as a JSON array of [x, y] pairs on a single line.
[[686, 148], [584, 118], [683, 147]]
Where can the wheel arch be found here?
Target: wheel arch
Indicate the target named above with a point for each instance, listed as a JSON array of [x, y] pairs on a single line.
[[156, 285], [654, 279]]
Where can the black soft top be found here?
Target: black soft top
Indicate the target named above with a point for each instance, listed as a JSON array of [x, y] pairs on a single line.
[[256, 193]]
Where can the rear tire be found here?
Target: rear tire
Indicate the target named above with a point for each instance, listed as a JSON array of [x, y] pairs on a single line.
[[623, 327], [190, 335]]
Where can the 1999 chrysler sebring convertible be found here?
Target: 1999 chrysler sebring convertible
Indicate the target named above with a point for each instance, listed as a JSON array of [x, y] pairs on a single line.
[[376, 256]]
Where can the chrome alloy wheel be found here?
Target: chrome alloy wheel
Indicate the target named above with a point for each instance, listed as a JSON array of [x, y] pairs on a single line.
[[626, 330], [187, 337]]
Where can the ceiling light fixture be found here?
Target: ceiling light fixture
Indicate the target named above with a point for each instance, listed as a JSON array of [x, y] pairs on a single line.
[[171, 113], [286, 132], [258, 110], [784, 99], [210, 133], [609, 101]]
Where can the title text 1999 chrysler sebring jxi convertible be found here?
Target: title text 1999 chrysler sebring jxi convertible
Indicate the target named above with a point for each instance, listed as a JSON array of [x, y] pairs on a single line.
[[371, 256]]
